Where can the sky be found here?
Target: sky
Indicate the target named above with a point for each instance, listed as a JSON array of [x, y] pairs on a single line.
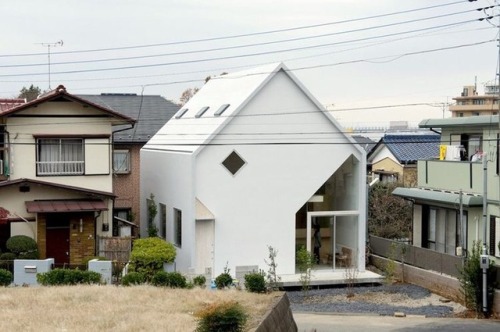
[[369, 62]]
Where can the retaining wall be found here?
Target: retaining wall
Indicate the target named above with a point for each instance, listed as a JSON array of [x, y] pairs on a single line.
[[440, 284], [279, 318]]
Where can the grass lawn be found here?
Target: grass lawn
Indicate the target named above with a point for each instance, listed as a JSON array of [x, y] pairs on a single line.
[[112, 308]]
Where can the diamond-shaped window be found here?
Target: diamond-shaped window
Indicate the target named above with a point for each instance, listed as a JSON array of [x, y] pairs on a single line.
[[233, 162]]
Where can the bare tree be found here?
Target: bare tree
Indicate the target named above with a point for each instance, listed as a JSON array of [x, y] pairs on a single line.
[[30, 93], [388, 216], [186, 95]]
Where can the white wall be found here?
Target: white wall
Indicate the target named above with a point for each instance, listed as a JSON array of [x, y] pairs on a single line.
[[169, 177], [256, 207]]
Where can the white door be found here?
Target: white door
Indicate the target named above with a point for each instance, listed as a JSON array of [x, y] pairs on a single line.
[[205, 230]]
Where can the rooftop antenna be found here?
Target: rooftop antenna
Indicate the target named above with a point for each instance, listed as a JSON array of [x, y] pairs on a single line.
[[49, 45]]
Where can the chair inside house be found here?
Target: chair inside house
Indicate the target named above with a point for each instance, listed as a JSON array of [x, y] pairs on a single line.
[[343, 259]]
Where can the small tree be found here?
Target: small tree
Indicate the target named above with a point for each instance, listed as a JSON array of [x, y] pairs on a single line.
[[471, 282], [388, 216], [272, 278], [149, 254], [152, 212], [305, 261]]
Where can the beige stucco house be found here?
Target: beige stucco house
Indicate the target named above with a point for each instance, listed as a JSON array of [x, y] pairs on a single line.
[[56, 180]]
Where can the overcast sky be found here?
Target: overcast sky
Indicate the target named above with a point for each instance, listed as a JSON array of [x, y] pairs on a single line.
[[349, 53]]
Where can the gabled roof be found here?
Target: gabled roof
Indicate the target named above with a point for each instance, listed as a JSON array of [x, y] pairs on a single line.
[[151, 112], [365, 142], [60, 94], [7, 104], [27, 182], [407, 149], [194, 126]]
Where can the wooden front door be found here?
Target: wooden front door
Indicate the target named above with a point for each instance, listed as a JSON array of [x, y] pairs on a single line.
[[58, 238]]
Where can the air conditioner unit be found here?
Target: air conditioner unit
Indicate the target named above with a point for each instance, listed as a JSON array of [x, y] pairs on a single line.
[[1, 167]]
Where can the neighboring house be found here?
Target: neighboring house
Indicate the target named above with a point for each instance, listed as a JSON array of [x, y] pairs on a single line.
[[470, 103], [58, 184], [365, 142], [394, 158], [252, 161], [151, 112], [445, 187]]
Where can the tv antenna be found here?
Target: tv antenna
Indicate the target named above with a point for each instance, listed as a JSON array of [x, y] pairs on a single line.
[[49, 45]]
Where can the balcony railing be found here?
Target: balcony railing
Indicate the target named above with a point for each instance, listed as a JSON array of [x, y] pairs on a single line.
[[60, 167], [451, 175]]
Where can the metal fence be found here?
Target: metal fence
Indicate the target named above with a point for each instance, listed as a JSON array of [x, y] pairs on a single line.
[[115, 248], [416, 256]]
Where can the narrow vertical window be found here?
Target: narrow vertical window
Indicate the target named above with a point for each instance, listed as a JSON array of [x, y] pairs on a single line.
[[163, 221], [178, 227]]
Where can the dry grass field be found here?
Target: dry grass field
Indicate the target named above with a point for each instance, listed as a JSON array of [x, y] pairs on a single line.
[[111, 308]]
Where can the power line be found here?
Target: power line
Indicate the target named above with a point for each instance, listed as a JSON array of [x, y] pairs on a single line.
[[245, 35], [249, 45]]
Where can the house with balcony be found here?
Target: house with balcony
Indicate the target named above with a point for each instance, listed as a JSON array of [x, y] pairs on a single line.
[[58, 180], [451, 189], [150, 112], [254, 160]]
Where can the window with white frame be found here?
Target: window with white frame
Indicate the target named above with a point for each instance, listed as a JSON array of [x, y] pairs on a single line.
[[121, 161], [60, 156], [178, 227]]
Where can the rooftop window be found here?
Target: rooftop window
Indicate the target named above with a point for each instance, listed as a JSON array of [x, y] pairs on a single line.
[[181, 112], [201, 112], [221, 109]]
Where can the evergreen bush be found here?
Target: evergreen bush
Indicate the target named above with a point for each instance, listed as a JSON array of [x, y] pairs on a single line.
[[58, 277], [133, 278], [200, 281], [6, 277], [255, 282], [149, 254], [23, 247], [169, 279]]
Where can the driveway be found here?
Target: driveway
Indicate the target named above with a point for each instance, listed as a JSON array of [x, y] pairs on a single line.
[[308, 322]]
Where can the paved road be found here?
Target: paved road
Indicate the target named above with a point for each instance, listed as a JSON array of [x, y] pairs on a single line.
[[307, 322]]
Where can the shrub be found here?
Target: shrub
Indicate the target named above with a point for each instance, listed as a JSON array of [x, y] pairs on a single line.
[[169, 279], [221, 317], [23, 247], [200, 281], [255, 282], [7, 261], [133, 278], [149, 254], [223, 280], [471, 282], [68, 277], [6, 278]]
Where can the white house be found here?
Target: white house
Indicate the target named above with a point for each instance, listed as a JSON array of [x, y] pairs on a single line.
[[253, 160]]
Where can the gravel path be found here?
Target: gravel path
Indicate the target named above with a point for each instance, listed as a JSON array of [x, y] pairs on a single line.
[[380, 300]]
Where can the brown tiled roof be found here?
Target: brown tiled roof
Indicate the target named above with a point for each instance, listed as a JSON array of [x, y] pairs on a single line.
[[7, 104]]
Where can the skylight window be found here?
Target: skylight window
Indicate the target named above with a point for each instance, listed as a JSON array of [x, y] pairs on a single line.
[[201, 112], [221, 109], [181, 113]]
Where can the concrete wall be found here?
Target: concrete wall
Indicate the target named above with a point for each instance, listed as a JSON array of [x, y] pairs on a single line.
[[25, 270], [279, 318]]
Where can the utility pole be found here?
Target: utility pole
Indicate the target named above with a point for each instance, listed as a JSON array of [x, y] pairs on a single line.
[[49, 45]]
